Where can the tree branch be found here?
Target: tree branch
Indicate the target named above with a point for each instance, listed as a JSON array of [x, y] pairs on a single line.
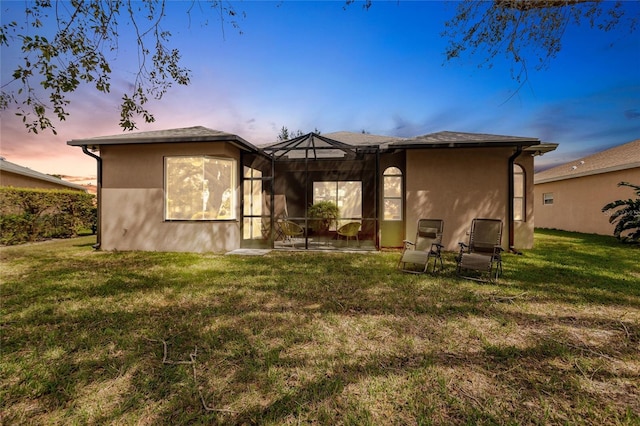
[[526, 5]]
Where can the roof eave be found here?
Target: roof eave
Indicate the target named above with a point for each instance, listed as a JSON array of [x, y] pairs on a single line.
[[541, 148], [233, 139], [465, 144]]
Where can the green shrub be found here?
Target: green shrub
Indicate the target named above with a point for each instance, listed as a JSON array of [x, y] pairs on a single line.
[[35, 214], [14, 229]]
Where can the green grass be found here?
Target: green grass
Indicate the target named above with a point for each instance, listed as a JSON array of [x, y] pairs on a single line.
[[331, 338]]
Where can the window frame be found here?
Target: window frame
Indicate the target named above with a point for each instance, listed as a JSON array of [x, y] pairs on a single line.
[[233, 187], [337, 193], [523, 197], [390, 172], [253, 214], [547, 198]]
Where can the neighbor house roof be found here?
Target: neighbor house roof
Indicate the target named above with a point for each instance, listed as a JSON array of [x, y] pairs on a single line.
[[621, 157], [186, 134], [9, 167]]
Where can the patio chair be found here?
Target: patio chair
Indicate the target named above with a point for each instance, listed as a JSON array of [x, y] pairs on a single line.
[[417, 254], [483, 254], [349, 230], [290, 230]]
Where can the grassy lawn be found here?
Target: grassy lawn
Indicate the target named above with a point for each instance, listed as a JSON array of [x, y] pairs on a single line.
[[331, 338]]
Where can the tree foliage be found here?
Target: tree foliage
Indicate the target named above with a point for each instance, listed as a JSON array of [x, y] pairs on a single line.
[[626, 215], [86, 35], [286, 134], [527, 32]]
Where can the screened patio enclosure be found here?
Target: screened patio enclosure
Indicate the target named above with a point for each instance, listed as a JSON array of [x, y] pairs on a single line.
[[280, 189]]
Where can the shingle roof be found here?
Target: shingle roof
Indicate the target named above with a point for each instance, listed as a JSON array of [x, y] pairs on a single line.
[[186, 134], [447, 139], [443, 139], [621, 157], [353, 138], [7, 166], [349, 138]]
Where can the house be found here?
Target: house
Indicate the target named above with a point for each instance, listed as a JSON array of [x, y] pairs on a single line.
[[197, 189], [12, 174], [571, 196]]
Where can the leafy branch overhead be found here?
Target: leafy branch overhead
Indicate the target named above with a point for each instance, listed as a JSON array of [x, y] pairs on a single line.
[[527, 32], [65, 45]]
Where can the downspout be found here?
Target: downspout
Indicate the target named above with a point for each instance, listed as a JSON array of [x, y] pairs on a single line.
[[96, 246], [510, 221]]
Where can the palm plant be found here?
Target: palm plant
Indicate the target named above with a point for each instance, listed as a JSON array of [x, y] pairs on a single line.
[[627, 215]]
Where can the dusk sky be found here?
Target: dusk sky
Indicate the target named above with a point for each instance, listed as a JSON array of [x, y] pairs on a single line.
[[313, 64]]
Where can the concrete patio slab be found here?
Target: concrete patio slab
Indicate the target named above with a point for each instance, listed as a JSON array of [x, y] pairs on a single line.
[[249, 252]]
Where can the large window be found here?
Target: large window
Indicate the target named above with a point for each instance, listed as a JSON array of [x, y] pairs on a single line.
[[347, 195], [392, 193], [200, 188], [518, 193]]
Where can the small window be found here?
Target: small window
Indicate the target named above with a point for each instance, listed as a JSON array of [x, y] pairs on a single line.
[[392, 193], [200, 188], [518, 193], [547, 198]]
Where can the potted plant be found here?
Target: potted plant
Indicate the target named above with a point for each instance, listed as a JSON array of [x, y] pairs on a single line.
[[323, 215]]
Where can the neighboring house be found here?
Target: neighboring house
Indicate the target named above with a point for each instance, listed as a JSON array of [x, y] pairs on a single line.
[[571, 196], [22, 177], [197, 189]]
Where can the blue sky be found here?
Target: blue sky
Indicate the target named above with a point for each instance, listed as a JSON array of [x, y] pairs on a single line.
[[313, 64]]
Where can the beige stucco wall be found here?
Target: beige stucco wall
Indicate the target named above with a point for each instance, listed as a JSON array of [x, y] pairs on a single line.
[[456, 185], [462, 184], [132, 203], [577, 202]]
